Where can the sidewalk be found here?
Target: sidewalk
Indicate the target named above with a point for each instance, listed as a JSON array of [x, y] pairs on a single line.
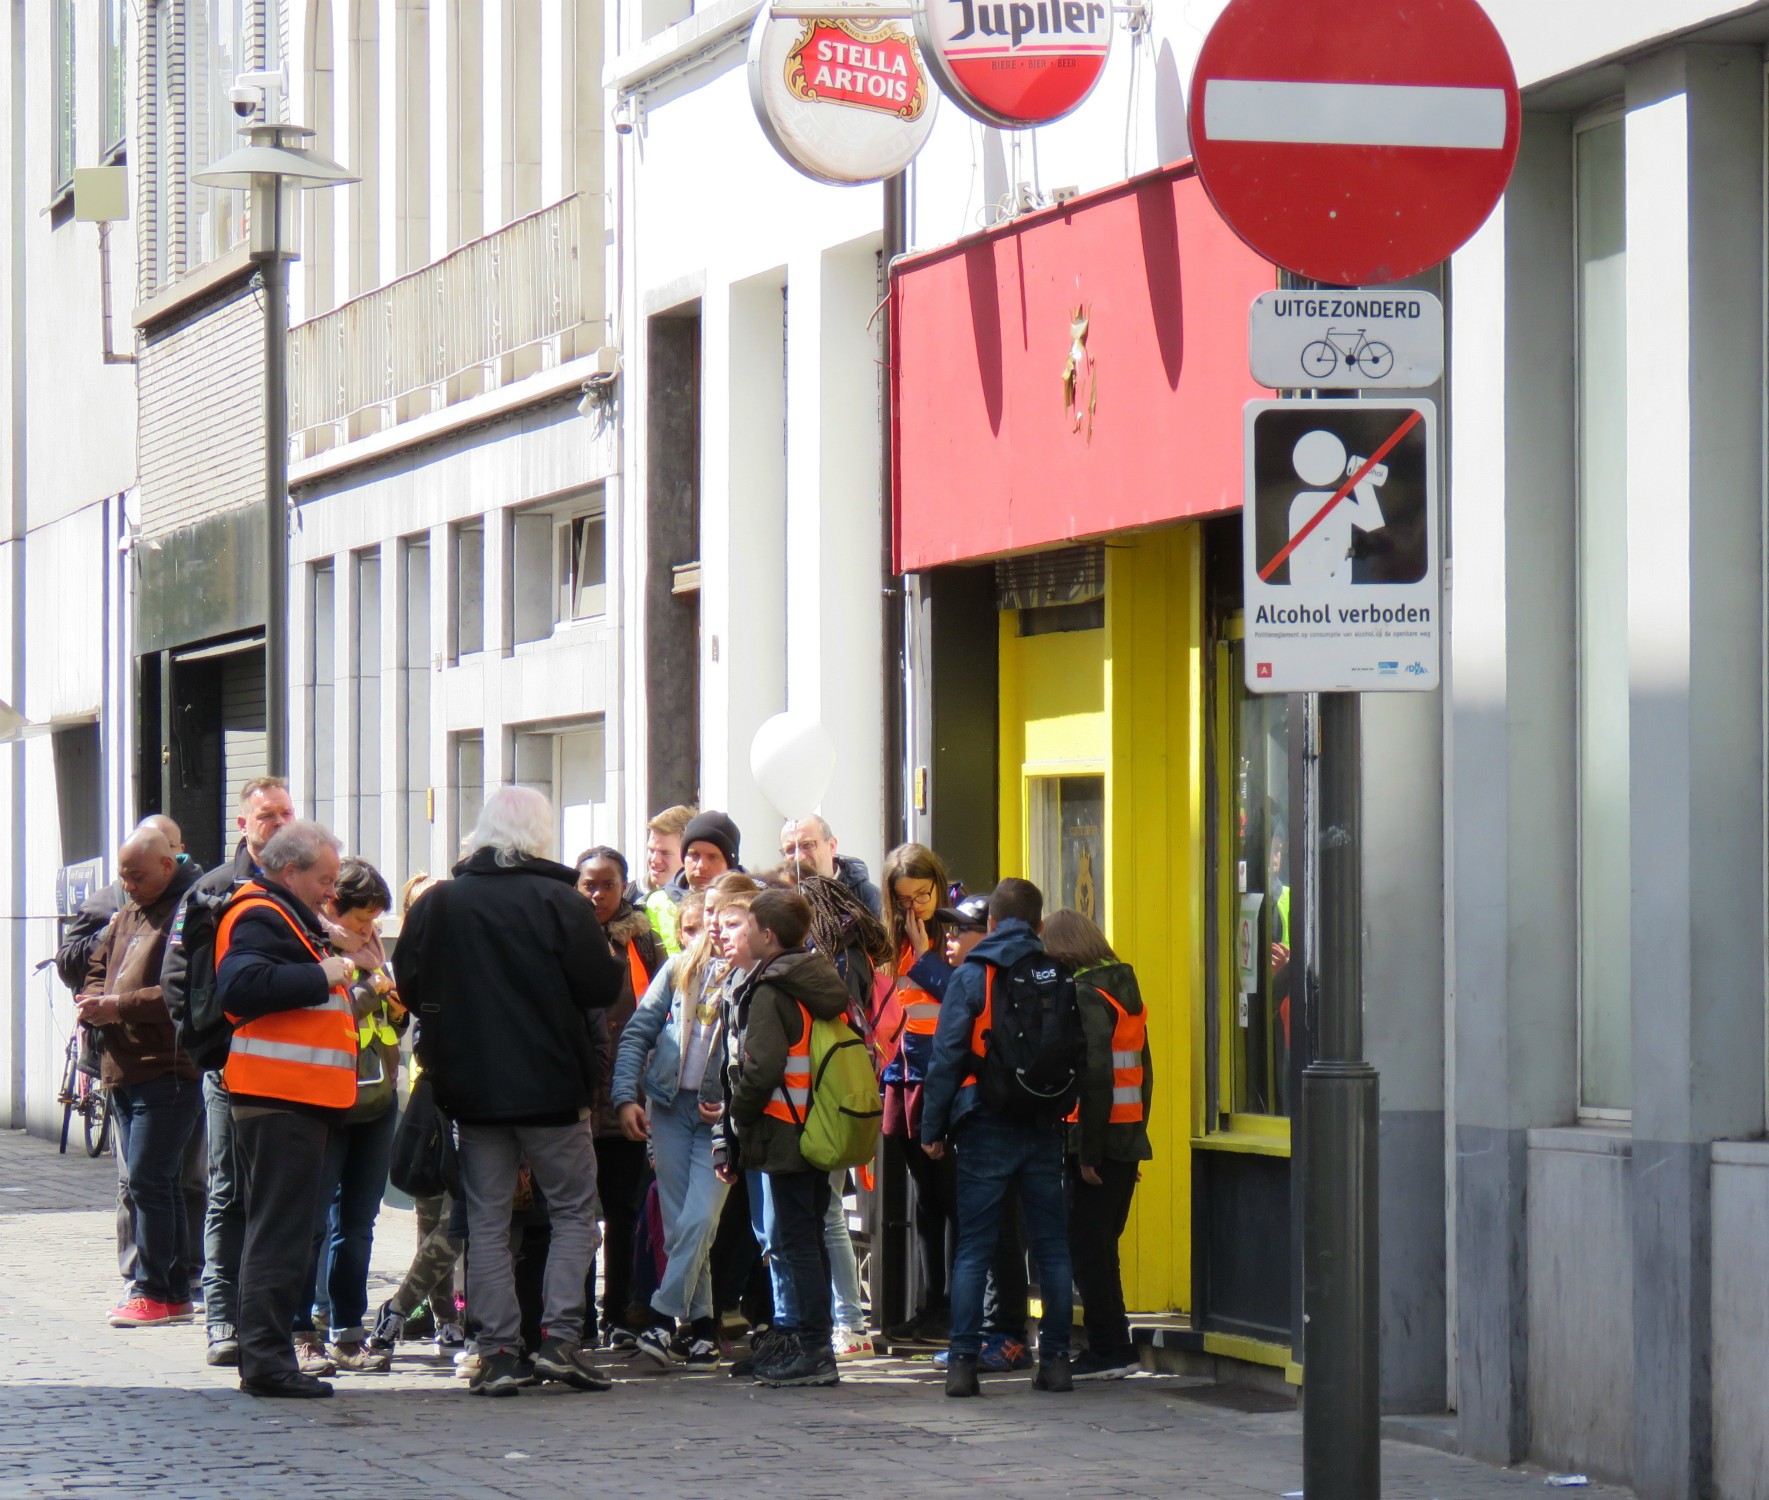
[[86, 1407]]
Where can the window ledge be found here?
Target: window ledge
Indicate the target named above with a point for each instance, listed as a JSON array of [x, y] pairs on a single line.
[[200, 283], [1740, 1153], [1591, 1140], [689, 38]]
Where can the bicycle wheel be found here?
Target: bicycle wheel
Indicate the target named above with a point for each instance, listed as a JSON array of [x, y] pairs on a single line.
[[1378, 360], [69, 1095], [98, 1121], [1319, 359]]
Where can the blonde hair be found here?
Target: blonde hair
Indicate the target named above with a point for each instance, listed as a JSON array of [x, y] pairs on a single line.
[[672, 821], [414, 888], [731, 889]]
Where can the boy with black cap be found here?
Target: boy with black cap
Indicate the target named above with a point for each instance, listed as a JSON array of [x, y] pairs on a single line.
[[996, 1153], [709, 849]]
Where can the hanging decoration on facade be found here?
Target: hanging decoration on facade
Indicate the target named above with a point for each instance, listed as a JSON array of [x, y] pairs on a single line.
[[1016, 63], [845, 99], [1080, 375]]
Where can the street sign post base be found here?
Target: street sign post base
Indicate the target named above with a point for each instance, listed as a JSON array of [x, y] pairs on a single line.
[[1341, 1451]]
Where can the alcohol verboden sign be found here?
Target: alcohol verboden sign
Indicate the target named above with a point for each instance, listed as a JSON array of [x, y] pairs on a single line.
[[1016, 63], [1356, 142]]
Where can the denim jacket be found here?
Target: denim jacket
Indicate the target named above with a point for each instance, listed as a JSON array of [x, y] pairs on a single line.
[[651, 1046]]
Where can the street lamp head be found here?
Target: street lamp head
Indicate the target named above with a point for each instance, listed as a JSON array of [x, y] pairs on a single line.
[[271, 164]]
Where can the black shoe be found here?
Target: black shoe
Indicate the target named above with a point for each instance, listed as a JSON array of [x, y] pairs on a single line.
[[961, 1376], [1053, 1375], [761, 1350], [565, 1361], [1091, 1366], [288, 1387], [224, 1345], [802, 1360], [501, 1374], [932, 1325]]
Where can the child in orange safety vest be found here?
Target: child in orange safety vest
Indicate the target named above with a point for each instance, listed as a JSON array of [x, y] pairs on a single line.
[[1108, 1135]]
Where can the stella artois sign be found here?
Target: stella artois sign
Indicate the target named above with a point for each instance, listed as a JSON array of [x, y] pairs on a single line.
[[844, 100], [1016, 63]]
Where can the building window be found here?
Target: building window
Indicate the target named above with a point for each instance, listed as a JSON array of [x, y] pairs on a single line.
[[365, 786], [565, 764], [1605, 987], [61, 134], [468, 775], [115, 19], [467, 616], [566, 543], [322, 714], [414, 656]]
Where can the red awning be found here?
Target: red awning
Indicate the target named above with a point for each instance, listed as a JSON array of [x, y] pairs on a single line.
[[989, 455]]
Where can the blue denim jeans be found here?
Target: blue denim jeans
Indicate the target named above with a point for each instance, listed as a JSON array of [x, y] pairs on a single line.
[[761, 1220], [800, 1201], [224, 1221], [353, 1182], [692, 1199], [155, 1120], [844, 1266], [994, 1154]]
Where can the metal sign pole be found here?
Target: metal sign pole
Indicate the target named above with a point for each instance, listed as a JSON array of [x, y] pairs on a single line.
[[1341, 1454]]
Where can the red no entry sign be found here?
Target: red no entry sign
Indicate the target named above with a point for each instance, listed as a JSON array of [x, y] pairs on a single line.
[[1354, 141]]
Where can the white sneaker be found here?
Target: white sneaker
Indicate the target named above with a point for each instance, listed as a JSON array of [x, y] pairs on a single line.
[[468, 1364], [853, 1343], [449, 1337]]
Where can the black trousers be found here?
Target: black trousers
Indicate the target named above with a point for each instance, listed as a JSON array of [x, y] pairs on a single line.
[[621, 1179], [280, 1156], [1097, 1216], [936, 1219], [801, 1199]]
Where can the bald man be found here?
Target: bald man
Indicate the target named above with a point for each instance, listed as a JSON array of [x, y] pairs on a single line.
[[156, 1092]]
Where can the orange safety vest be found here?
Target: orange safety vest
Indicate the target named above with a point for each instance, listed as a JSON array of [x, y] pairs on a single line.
[[979, 1030], [791, 1099], [921, 1011], [306, 1055], [636, 968], [1129, 1033]]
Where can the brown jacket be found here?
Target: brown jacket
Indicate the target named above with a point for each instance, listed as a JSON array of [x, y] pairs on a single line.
[[630, 931], [141, 1044]]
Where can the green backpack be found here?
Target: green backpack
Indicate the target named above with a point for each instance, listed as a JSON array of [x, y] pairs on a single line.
[[842, 1123]]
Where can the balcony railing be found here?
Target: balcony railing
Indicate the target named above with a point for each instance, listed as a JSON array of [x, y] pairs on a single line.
[[482, 315]]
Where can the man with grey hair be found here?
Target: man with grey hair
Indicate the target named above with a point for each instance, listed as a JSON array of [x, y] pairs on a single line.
[[504, 967], [809, 843], [290, 1076]]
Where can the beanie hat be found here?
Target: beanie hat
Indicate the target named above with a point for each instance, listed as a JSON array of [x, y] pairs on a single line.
[[713, 828]]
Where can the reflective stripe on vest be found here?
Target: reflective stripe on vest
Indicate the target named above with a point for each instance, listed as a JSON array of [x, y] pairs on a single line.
[[792, 1098], [304, 1056], [1128, 1035], [921, 1011]]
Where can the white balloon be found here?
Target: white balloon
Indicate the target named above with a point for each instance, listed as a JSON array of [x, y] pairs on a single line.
[[793, 761]]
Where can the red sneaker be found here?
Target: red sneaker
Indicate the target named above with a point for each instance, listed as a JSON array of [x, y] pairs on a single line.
[[183, 1312], [141, 1312]]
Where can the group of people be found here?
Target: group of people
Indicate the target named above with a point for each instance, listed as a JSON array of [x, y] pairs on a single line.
[[612, 1059]]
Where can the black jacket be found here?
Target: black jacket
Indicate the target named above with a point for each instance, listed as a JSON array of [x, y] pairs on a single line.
[[502, 967], [79, 939], [854, 875], [175, 966]]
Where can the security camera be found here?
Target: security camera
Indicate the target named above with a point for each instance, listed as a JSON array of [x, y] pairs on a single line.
[[623, 117], [245, 97]]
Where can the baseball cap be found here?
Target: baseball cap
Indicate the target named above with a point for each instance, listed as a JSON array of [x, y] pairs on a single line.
[[971, 912]]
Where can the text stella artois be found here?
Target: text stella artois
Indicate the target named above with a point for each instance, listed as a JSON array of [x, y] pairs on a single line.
[[870, 65]]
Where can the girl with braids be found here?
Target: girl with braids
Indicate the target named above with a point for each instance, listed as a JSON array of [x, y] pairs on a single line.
[[844, 928], [903, 1031], [669, 1089]]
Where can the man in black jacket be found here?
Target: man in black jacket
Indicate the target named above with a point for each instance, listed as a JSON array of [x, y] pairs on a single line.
[[502, 967], [264, 808]]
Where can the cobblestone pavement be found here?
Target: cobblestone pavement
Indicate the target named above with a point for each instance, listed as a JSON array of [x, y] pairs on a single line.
[[86, 1408]]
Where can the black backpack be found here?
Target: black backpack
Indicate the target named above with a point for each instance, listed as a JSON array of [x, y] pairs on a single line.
[[204, 1032], [1034, 1052]]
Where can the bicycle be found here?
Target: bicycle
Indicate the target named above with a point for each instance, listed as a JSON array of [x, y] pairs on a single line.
[[1354, 346], [81, 1093]]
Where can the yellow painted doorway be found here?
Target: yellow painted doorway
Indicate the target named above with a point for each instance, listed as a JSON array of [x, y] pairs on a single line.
[[1109, 720]]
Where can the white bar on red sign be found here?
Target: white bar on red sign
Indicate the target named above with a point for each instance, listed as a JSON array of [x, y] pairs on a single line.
[[1354, 114]]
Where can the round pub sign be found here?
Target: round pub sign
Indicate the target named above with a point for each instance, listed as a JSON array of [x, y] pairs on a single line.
[[846, 100], [1016, 63]]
